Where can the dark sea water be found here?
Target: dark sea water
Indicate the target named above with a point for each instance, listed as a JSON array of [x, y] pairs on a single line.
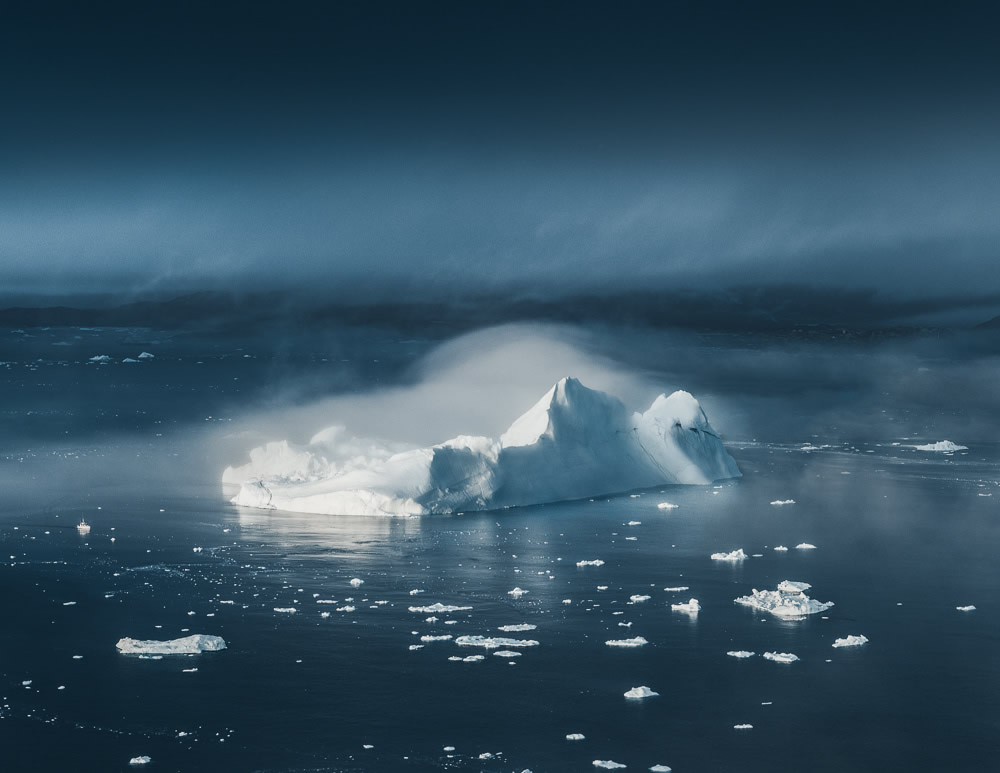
[[902, 538]]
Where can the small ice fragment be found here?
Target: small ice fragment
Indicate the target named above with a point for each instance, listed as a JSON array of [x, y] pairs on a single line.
[[507, 654], [415, 591], [443, 637], [575, 736], [357, 582], [781, 657], [516, 628], [851, 641], [780, 502], [69, 603], [640, 692], [567, 601], [781, 548], [286, 610], [608, 764], [324, 614], [602, 587], [677, 589], [416, 647], [188, 670], [591, 562], [968, 608], [348, 608], [438, 607], [517, 592], [740, 654], [743, 727], [789, 586], [667, 506], [736, 555], [638, 599], [188, 645], [142, 760], [367, 746], [635, 523], [692, 607], [661, 769], [637, 641], [942, 445], [493, 642], [146, 356], [197, 550], [805, 546]]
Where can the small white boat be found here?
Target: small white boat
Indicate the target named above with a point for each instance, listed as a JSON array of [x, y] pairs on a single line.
[[83, 527]]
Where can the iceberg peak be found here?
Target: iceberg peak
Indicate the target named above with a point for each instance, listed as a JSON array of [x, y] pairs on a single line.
[[573, 443]]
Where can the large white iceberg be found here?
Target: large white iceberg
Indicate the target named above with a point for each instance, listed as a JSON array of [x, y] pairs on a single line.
[[574, 443], [941, 445], [789, 601], [187, 645]]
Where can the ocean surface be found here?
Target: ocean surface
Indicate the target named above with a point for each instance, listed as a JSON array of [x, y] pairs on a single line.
[[902, 538]]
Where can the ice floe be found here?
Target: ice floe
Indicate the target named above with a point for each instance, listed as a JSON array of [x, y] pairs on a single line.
[[144, 759], [516, 628], [743, 727], [439, 607], [638, 598], [575, 736], [677, 589], [590, 562], [805, 546], [942, 445], [692, 607], [637, 641], [608, 764], [734, 556], [442, 637], [667, 506], [850, 641], [640, 692], [968, 608], [661, 769], [783, 502], [781, 548], [188, 645], [517, 592], [573, 443], [507, 654], [789, 601], [780, 657], [495, 642], [740, 654]]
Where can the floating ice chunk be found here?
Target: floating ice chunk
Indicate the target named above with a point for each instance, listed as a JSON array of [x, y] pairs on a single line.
[[780, 502], [416, 591], [188, 645], [942, 445], [141, 760], [634, 523], [507, 654], [640, 692], [805, 546], [516, 628], [677, 589], [575, 736], [692, 607], [573, 443], [968, 608], [439, 607], [357, 582], [100, 358], [743, 727], [146, 356], [496, 642], [608, 764], [736, 555], [637, 641], [416, 647], [638, 599], [740, 654], [851, 641], [591, 562], [286, 610], [780, 657], [789, 586], [348, 608], [781, 548], [197, 550], [661, 769], [517, 592], [667, 506], [471, 658], [442, 637], [789, 605]]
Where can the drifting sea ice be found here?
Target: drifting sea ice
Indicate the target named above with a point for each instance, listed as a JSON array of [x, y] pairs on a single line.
[[638, 641], [851, 641], [743, 727], [516, 628], [783, 502], [638, 598], [781, 548], [591, 562], [357, 582], [142, 760], [443, 637], [661, 769], [575, 736], [667, 506], [640, 692], [692, 607], [493, 642], [740, 654], [968, 608], [438, 607], [286, 610], [188, 645], [805, 546], [736, 555], [780, 657], [608, 764], [942, 445], [517, 592], [677, 589], [789, 602], [507, 654]]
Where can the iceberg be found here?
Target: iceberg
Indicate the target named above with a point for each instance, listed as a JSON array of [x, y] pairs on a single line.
[[492, 643], [942, 445], [850, 641], [692, 607], [144, 759], [740, 654], [188, 645], [638, 641], [516, 628], [640, 692], [590, 562], [780, 657], [780, 502], [735, 556], [575, 736], [574, 443], [608, 764], [788, 602], [439, 607], [967, 608]]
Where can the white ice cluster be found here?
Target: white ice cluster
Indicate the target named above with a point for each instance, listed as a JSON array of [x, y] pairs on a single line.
[[788, 602]]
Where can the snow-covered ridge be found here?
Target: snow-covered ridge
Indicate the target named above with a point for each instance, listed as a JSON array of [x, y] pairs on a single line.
[[574, 443]]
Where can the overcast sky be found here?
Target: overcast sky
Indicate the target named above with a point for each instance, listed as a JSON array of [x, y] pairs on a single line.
[[559, 146]]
